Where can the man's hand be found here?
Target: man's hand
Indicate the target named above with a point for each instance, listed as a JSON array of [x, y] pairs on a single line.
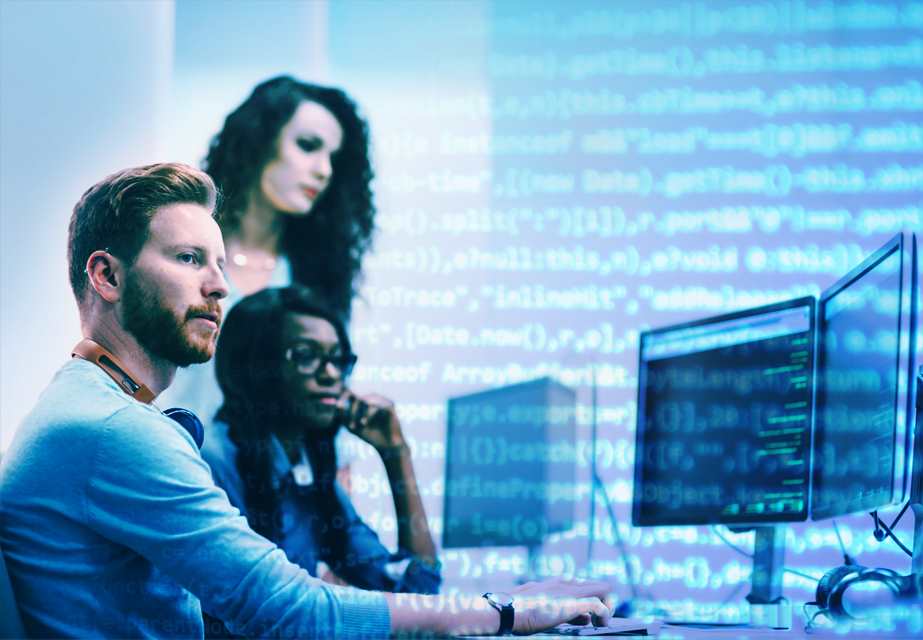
[[537, 606], [541, 605]]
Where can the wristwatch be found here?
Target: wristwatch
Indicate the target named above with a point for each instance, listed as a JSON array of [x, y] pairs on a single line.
[[502, 602]]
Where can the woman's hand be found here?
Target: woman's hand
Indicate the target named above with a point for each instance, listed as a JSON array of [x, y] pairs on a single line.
[[372, 417]]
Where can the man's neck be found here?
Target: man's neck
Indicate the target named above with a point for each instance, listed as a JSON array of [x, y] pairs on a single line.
[[154, 372]]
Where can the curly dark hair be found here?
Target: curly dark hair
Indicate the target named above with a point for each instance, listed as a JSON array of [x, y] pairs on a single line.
[[325, 248], [248, 366]]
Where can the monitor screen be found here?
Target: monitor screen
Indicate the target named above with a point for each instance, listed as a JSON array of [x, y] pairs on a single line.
[[510, 473], [724, 418], [865, 360]]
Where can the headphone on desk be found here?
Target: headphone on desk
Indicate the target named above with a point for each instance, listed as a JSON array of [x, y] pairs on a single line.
[[93, 352], [833, 586]]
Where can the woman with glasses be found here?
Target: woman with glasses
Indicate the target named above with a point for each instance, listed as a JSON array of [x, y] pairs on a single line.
[[283, 362]]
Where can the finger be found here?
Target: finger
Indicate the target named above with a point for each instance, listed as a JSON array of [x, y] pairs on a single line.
[[605, 619], [376, 400], [597, 609], [588, 588], [582, 619], [587, 607], [359, 411]]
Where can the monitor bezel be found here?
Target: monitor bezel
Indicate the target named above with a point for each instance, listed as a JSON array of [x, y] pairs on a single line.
[[915, 401], [905, 245], [741, 519]]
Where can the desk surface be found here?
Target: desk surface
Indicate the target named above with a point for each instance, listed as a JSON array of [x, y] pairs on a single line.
[[671, 632]]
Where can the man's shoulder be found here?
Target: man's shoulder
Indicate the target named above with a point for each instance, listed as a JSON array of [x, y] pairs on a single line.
[[82, 393], [79, 404], [72, 420]]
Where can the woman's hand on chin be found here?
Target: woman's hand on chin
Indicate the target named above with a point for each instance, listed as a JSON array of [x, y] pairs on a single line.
[[374, 419]]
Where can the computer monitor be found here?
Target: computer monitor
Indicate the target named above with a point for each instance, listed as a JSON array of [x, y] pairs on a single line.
[[510, 472], [724, 418], [863, 439]]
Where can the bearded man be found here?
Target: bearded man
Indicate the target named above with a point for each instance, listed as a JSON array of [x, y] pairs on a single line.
[[110, 523]]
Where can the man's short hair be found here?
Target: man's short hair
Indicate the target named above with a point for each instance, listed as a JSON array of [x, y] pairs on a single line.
[[115, 214]]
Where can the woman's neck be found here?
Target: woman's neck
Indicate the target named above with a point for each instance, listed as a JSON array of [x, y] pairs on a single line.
[[293, 447], [253, 248], [293, 441], [260, 228]]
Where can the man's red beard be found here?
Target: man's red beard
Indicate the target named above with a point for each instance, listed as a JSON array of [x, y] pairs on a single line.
[[160, 331]]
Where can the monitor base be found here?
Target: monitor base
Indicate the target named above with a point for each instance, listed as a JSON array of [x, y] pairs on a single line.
[[776, 615]]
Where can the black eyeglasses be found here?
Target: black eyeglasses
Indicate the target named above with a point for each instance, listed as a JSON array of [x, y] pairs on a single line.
[[310, 360]]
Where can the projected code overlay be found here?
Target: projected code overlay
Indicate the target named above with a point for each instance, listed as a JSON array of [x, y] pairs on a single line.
[[602, 168]]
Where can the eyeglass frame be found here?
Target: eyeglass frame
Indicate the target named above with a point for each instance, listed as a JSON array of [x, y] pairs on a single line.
[[324, 360]]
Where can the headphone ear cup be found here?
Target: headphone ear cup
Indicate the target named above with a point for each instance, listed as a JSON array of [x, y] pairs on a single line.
[[895, 583], [829, 584], [188, 421]]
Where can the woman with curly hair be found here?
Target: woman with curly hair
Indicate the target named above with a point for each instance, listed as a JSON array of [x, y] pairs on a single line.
[[292, 163]]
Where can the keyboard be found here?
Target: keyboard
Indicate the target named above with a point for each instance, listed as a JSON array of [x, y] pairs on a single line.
[[616, 627]]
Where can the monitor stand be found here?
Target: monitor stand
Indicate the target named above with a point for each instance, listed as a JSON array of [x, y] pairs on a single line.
[[768, 607]]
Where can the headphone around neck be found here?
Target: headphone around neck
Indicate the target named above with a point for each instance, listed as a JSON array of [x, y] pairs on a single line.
[[93, 352]]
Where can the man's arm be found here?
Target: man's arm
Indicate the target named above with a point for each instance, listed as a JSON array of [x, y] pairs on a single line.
[[537, 606], [149, 490]]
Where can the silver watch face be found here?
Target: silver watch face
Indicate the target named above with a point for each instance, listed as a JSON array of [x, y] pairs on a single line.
[[500, 599]]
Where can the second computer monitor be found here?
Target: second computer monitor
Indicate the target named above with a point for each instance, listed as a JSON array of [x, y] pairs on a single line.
[[865, 383], [724, 418]]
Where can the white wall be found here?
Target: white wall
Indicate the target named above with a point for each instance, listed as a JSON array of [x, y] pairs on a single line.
[[84, 89]]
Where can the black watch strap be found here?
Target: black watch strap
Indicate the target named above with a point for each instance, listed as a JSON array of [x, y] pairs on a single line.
[[503, 603]]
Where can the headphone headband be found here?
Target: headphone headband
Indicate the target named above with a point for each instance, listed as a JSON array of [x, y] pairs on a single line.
[[93, 352]]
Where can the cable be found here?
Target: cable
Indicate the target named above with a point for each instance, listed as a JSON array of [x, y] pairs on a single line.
[[733, 546], [890, 534], [597, 485], [898, 517], [802, 575], [593, 474], [847, 559], [733, 594], [629, 573]]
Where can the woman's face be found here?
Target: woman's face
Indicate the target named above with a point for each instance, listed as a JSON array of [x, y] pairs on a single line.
[[311, 378], [295, 178]]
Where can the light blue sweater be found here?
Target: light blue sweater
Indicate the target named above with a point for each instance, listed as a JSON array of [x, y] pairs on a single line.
[[110, 525]]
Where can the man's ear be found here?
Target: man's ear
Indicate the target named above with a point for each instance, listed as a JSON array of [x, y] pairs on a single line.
[[106, 275]]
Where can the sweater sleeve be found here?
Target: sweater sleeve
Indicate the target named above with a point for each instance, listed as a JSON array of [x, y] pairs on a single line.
[[149, 490]]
